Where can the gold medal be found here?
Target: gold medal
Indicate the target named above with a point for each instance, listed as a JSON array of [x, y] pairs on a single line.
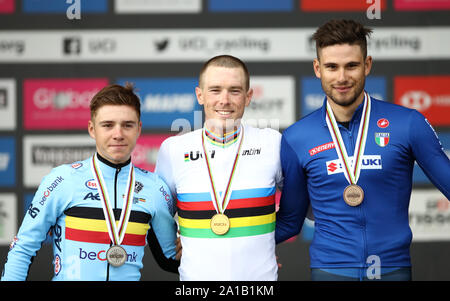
[[220, 224], [116, 256], [353, 195]]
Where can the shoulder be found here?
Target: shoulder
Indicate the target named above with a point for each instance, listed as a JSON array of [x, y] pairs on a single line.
[[181, 139], [396, 112], [267, 133], [305, 126]]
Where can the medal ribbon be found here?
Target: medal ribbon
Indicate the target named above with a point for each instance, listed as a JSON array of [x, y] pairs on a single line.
[[115, 235], [351, 171], [227, 193]]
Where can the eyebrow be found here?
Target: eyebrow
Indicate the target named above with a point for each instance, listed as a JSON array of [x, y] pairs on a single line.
[[346, 64], [112, 121]]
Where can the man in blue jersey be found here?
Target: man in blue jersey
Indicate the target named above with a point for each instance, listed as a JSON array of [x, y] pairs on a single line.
[[352, 162], [102, 211]]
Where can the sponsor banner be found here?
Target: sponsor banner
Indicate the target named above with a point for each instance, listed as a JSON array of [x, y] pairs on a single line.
[[430, 95], [146, 151], [419, 176], [341, 5], [158, 45], [368, 162], [7, 104], [157, 6], [168, 103], [312, 95], [61, 6], [59, 103], [41, 153], [138, 45], [7, 6], [250, 5], [8, 218], [273, 103], [7, 161], [193, 45], [429, 215], [421, 4]]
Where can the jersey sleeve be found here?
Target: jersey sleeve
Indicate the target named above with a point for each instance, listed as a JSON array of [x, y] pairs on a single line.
[[278, 172], [163, 166], [428, 153], [47, 205], [294, 200], [163, 232]]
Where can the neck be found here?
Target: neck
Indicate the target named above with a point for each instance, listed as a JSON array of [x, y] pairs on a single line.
[[345, 113], [112, 164], [222, 131]]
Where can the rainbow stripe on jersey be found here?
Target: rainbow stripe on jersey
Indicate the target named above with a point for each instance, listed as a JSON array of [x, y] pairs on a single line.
[[251, 212]]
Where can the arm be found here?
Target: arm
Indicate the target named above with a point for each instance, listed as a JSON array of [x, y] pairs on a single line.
[[42, 214], [429, 154], [161, 236], [294, 197]]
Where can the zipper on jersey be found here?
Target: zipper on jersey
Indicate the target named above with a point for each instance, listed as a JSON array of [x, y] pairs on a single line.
[[362, 216], [115, 207]]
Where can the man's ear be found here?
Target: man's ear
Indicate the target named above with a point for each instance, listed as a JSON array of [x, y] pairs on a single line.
[[199, 94], [91, 129], [316, 67]]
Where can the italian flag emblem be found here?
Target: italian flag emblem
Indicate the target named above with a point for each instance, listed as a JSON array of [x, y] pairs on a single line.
[[382, 139]]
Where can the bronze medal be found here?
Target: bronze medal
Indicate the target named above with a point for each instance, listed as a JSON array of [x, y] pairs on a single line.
[[116, 256], [353, 195], [220, 224]]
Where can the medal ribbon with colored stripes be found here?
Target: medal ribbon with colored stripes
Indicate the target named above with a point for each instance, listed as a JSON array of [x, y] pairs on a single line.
[[351, 171], [221, 205], [115, 235]]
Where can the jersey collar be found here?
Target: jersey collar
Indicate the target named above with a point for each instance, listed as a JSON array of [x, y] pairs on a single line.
[[109, 168], [222, 141]]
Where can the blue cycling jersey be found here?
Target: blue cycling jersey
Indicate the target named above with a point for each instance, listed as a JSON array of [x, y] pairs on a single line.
[[345, 236], [68, 203]]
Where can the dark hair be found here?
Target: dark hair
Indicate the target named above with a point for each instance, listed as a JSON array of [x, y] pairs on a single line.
[[116, 95], [342, 32], [227, 61]]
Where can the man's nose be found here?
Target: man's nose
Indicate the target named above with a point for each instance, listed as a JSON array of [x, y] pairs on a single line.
[[117, 132]]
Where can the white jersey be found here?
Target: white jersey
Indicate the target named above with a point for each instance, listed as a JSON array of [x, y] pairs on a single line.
[[247, 251]]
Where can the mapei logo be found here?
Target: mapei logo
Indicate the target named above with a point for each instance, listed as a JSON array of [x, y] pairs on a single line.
[[368, 162], [91, 184]]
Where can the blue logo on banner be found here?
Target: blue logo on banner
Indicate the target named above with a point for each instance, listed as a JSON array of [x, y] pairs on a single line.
[[312, 95], [167, 103], [60, 6], [7, 161], [250, 5], [419, 176]]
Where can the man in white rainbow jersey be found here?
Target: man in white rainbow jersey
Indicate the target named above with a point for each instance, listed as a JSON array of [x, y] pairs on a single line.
[[224, 177]]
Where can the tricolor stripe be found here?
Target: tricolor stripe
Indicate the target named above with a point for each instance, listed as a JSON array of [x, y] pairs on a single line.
[[251, 212], [88, 224]]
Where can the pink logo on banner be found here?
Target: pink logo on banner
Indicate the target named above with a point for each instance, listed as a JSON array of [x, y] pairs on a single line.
[[421, 4], [146, 151], [59, 103], [7, 6]]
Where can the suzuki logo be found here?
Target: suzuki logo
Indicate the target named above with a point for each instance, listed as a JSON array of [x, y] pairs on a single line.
[[332, 166]]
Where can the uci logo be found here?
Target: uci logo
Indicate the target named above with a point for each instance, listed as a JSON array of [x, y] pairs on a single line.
[[91, 184]]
